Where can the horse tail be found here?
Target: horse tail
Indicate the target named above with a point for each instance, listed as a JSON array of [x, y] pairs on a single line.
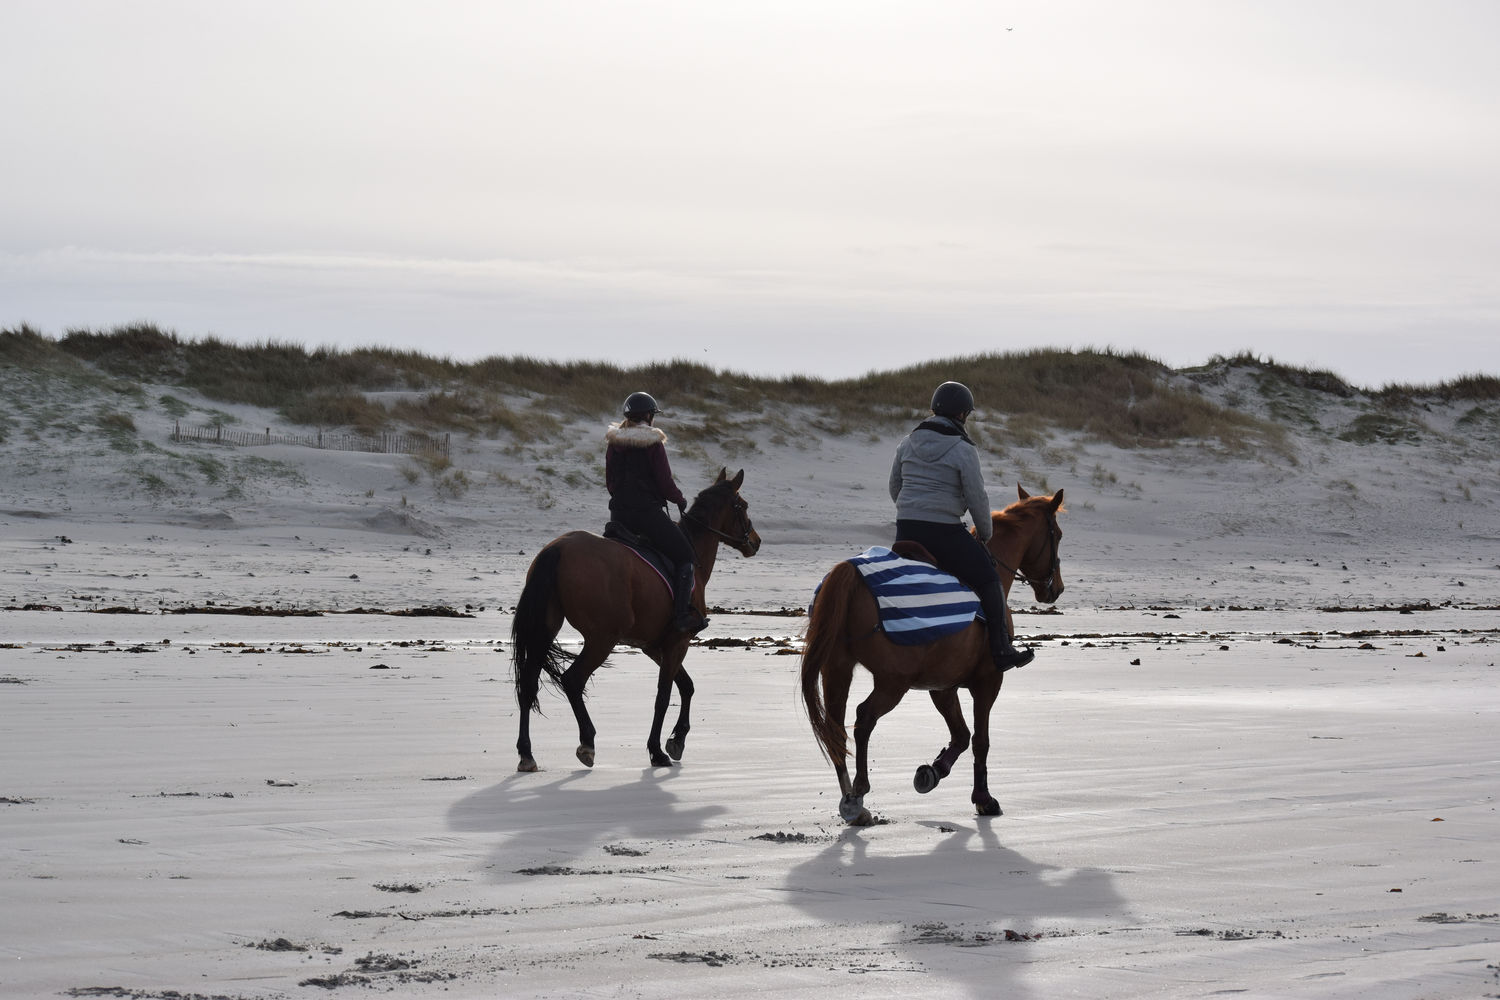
[[533, 637], [826, 647]]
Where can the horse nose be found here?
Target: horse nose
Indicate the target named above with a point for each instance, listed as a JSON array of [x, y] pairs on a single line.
[[1049, 592]]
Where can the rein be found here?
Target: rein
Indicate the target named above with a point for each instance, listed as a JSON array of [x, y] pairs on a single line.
[[736, 542]]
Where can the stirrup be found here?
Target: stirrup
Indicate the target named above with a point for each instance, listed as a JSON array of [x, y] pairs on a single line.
[[690, 622], [1013, 658]]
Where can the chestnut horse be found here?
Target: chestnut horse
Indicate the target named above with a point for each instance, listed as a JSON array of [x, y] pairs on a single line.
[[843, 629], [606, 592]]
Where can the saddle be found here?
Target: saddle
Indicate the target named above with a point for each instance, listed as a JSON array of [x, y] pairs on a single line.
[[617, 532], [914, 551]]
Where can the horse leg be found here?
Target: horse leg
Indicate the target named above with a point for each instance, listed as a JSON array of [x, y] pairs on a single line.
[[574, 680], [678, 739], [523, 741], [837, 677], [947, 704], [664, 678], [881, 700], [534, 645], [984, 700]]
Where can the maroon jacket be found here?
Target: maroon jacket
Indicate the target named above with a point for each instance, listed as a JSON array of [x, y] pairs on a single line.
[[636, 470]]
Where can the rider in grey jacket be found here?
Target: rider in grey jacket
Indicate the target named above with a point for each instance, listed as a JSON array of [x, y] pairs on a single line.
[[935, 478]]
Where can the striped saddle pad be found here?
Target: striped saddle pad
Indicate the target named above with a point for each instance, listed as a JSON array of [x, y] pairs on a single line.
[[918, 603]]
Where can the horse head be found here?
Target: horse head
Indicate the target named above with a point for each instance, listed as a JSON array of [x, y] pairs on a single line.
[[723, 512], [1039, 564]]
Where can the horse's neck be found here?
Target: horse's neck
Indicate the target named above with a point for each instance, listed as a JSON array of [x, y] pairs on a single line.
[[1007, 546], [706, 549]]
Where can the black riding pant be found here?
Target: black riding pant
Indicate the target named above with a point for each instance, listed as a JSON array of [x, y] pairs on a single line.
[[653, 524], [955, 550]]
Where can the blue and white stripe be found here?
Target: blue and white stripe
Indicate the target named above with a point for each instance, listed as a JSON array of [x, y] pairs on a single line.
[[918, 603]]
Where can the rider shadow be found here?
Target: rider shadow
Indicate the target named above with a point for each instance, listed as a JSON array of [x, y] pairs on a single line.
[[965, 910], [544, 820]]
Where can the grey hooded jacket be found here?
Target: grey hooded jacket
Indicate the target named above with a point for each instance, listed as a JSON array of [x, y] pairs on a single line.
[[936, 477]]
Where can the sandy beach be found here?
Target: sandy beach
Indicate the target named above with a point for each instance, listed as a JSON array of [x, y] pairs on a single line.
[[1255, 756]]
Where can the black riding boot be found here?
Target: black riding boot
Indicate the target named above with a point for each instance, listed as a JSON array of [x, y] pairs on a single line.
[[685, 617], [992, 601]]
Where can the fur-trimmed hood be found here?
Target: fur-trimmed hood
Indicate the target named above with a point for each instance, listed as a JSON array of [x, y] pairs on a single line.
[[628, 435]]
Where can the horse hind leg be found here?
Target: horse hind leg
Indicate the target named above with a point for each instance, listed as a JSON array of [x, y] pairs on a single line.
[[528, 687], [534, 648], [881, 701], [837, 677], [527, 697], [574, 681]]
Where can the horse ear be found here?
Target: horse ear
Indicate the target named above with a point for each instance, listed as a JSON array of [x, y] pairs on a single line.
[[739, 480], [723, 475], [1021, 492], [1057, 501]]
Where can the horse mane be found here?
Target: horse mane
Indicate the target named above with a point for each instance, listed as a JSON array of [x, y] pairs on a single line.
[[1031, 501], [726, 486], [1009, 518], [722, 487]]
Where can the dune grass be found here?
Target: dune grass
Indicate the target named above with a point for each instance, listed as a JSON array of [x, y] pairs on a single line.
[[1125, 398]]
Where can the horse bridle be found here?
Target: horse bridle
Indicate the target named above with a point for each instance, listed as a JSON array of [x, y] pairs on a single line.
[[1052, 533], [738, 543]]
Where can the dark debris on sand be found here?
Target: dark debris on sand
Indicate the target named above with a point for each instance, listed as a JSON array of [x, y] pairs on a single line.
[[432, 611], [781, 837]]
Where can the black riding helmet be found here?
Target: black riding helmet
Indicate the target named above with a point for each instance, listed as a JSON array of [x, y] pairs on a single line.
[[953, 399], [640, 406]]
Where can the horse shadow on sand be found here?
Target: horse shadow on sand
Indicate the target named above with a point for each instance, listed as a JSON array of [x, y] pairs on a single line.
[[542, 819], [969, 911]]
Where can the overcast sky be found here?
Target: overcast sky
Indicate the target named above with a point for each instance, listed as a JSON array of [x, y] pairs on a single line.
[[820, 186]]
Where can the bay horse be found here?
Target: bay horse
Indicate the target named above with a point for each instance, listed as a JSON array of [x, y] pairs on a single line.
[[609, 594], [843, 630]]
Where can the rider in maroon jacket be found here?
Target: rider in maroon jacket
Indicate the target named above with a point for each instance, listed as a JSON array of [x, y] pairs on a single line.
[[640, 485]]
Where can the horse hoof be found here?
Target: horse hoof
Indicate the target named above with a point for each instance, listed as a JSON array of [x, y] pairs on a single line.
[[926, 780], [586, 756], [989, 807], [675, 747], [527, 766], [850, 809]]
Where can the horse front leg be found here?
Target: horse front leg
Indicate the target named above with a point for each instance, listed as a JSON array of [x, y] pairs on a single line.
[[928, 775], [665, 675], [678, 739], [984, 700]]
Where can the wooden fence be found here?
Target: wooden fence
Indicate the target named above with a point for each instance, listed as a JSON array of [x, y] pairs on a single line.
[[389, 444]]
